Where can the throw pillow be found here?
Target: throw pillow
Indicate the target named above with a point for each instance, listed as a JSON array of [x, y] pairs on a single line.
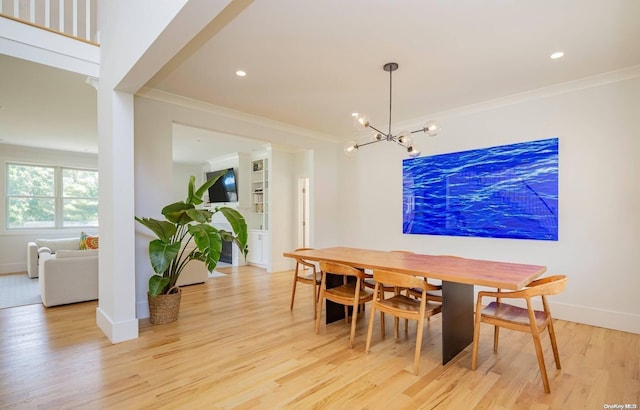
[[92, 242], [83, 241], [88, 241]]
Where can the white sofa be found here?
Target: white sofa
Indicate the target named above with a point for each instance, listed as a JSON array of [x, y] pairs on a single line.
[[53, 245], [68, 276], [194, 272]]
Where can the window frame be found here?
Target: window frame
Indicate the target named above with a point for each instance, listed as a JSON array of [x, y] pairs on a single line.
[[59, 198]]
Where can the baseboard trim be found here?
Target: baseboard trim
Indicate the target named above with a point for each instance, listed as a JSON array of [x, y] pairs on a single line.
[[116, 332], [13, 268], [609, 319], [142, 309]]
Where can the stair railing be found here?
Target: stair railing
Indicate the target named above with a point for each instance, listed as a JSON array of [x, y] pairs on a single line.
[[72, 18]]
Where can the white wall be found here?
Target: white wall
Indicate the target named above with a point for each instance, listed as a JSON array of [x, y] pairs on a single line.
[[599, 231], [153, 158], [180, 178], [13, 244], [282, 202]]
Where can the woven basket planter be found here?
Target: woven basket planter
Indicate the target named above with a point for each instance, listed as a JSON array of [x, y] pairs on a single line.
[[164, 308]]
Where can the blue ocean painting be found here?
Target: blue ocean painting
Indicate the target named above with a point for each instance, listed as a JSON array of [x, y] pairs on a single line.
[[509, 191]]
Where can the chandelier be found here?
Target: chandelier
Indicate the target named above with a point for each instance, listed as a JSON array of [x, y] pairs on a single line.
[[404, 138]]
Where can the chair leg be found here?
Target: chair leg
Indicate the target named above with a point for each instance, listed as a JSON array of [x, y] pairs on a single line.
[[554, 345], [543, 368], [320, 300], [372, 316], [315, 298], [476, 337], [396, 322], [293, 290], [416, 360], [496, 335], [354, 320]]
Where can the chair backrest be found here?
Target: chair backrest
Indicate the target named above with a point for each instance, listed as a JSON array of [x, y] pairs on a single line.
[[302, 261], [551, 285], [341, 269], [401, 280]]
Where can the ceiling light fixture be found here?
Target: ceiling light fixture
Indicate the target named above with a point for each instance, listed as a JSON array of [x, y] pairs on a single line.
[[241, 73], [556, 55], [404, 138]]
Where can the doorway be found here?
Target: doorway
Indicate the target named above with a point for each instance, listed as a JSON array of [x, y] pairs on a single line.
[[303, 212]]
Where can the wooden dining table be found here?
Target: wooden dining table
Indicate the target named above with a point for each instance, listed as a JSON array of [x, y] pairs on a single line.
[[458, 276]]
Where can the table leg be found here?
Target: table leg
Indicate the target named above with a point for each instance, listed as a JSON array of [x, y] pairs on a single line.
[[457, 318], [334, 311]]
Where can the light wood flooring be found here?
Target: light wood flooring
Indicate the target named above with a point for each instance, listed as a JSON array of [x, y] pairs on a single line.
[[237, 345]]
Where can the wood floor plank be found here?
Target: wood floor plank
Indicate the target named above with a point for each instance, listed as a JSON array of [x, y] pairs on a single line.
[[236, 345]]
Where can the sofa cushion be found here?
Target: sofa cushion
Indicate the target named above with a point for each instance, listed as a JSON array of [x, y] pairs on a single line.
[[88, 241], [64, 253], [57, 244]]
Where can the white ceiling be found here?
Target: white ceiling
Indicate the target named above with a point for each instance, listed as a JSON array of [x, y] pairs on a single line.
[[313, 63]]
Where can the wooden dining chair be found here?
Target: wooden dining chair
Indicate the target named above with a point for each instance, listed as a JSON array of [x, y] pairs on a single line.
[[370, 283], [311, 278], [527, 319], [402, 306], [347, 294]]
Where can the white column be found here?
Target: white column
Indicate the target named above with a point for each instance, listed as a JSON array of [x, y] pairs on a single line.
[[116, 313]]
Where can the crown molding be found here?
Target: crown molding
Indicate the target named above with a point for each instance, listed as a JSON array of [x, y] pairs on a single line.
[[170, 98], [539, 93]]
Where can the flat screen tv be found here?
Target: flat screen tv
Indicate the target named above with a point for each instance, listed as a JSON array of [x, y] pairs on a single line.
[[225, 188]]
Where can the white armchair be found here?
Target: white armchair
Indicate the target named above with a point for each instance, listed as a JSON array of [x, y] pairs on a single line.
[[69, 276]]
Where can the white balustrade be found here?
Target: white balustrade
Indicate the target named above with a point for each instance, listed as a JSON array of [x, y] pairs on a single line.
[[75, 18]]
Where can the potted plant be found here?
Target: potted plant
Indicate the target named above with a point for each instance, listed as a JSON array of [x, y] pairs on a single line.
[[171, 251]]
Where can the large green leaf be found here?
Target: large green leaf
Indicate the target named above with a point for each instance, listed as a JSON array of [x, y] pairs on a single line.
[[162, 253], [156, 284], [177, 213], [238, 224], [208, 241], [164, 230], [200, 215], [195, 198]]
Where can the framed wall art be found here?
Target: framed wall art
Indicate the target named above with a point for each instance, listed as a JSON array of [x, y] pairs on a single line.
[[508, 191]]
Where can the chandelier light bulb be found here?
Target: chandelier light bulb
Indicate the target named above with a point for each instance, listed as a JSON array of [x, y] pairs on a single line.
[[376, 136], [413, 152], [350, 148], [361, 122], [432, 128], [405, 138]]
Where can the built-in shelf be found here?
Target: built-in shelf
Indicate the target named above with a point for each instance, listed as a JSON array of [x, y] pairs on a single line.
[[260, 193]]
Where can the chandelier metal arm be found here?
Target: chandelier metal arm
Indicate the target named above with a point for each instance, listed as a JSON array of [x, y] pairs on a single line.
[[377, 130], [368, 143], [402, 139]]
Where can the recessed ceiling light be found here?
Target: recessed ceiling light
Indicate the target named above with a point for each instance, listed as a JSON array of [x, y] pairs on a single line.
[[354, 114], [556, 55], [240, 73]]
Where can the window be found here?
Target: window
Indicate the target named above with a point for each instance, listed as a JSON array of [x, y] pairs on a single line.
[[51, 197]]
